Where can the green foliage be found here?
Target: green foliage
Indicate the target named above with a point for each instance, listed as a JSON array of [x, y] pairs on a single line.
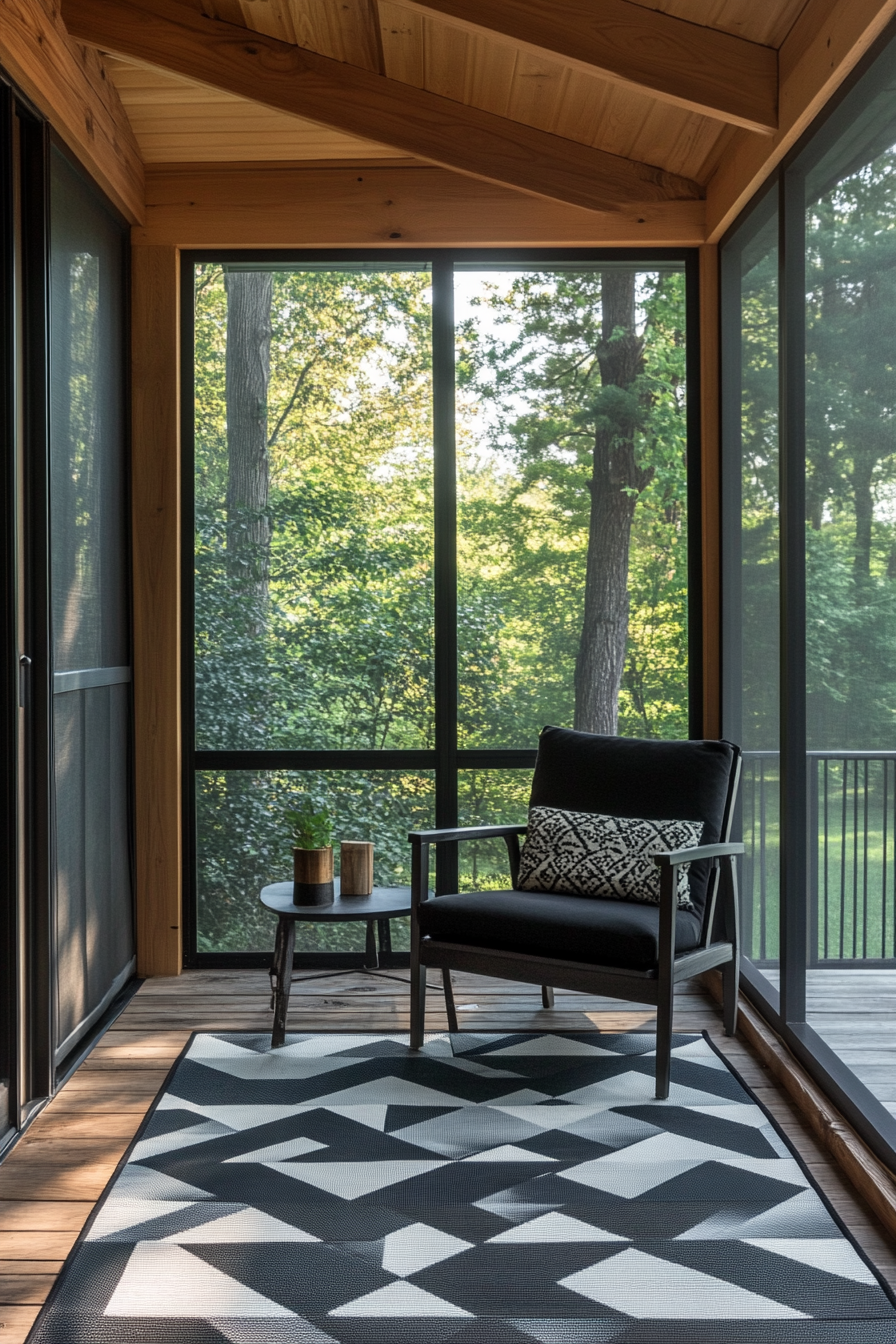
[[340, 656], [311, 827]]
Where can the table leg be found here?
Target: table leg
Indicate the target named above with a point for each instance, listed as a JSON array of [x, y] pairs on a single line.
[[450, 1010], [371, 959], [281, 977], [384, 934]]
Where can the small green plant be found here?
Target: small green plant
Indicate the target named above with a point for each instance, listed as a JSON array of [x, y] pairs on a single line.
[[311, 827]]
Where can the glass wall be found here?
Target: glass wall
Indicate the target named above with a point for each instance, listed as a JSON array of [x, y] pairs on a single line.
[[826, 578], [752, 567], [437, 505]]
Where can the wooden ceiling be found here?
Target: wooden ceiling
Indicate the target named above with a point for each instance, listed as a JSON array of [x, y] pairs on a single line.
[[596, 102]]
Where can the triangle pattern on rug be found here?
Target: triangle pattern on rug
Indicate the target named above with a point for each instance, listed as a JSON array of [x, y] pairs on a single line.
[[351, 1180], [828, 1254], [249, 1225], [280, 1152], [554, 1227], [400, 1299], [161, 1281], [648, 1288]]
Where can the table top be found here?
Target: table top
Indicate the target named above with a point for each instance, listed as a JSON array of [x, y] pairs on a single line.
[[382, 903]]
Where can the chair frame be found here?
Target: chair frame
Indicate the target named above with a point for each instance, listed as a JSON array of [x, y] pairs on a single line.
[[655, 986]]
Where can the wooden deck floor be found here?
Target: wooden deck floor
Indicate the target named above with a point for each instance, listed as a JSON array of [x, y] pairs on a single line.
[[854, 1011], [53, 1176]]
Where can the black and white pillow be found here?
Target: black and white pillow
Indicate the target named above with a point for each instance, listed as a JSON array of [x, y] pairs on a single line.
[[589, 854]]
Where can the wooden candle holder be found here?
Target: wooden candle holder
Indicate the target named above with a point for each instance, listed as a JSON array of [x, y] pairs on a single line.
[[356, 868]]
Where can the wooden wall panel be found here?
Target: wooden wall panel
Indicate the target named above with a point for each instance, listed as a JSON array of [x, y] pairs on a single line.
[[69, 85], [710, 416], [292, 205], [156, 540]]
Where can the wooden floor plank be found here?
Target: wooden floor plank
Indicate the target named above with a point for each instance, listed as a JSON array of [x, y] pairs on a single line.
[[16, 1322], [51, 1178]]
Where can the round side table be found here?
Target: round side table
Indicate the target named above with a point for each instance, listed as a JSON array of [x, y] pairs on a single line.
[[383, 904]]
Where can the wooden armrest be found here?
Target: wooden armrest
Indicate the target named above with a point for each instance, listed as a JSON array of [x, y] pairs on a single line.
[[463, 833], [674, 857]]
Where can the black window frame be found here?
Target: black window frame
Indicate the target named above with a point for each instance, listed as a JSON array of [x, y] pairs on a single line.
[[785, 1010], [445, 759]]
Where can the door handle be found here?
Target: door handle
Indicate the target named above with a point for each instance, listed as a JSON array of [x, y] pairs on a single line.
[[24, 665]]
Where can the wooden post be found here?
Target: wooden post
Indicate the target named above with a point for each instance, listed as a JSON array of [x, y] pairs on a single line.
[[155, 472]]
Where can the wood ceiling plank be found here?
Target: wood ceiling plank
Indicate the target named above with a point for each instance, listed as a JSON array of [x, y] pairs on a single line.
[[174, 120], [824, 46], [765, 23], [296, 205], [445, 62], [348, 31], [557, 98], [359, 102], [491, 69], [273, 17], [401, 33], [70, 86], [691, 66], [537, 91]]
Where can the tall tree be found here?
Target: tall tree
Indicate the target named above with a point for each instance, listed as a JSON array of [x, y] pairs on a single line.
[[585, 391], [617, 481], [248, 372]]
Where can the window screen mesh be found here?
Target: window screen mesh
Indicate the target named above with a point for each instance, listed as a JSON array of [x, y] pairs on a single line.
[[94, 923], [89, 583], [87, 430]]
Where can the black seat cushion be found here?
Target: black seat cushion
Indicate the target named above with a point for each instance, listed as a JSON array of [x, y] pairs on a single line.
[[637, 777], [572, 928]]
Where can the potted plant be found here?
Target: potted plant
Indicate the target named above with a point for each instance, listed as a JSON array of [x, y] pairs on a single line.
[[312, 857]]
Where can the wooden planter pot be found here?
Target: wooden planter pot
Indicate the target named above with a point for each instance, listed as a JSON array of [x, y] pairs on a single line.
[[312, 871]]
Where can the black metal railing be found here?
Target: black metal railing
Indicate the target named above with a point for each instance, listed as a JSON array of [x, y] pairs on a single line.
[[851, 849]]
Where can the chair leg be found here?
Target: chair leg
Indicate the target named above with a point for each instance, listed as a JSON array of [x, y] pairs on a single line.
[[730, 991], [664, 1041], [450, 1009], [282, 978], [418, 1001], [547, 996]]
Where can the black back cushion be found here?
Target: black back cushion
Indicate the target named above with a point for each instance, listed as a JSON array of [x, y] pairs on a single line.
[[638, 777]]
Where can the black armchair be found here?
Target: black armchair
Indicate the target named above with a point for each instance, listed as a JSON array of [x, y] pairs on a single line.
[[630, 950]]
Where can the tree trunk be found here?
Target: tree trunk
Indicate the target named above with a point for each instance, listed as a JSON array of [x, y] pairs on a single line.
[[615, 485], [248, 370], [863, 496]]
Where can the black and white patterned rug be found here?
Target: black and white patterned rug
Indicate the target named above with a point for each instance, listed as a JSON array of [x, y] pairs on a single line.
[[487, 1190]]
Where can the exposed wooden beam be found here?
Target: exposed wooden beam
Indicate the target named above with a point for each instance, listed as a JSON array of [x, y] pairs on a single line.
[[701, 69], [825, 44], [155, 515], [278, 74], [297, 205], [68, 84]]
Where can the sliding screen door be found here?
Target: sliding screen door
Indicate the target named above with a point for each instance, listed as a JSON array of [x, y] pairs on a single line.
[[94, 927]]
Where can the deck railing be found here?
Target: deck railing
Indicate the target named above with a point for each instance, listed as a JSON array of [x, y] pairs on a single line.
[[851, 846]]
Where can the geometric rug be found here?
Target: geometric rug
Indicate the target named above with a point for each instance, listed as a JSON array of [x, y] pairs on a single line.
[[489, 1189]]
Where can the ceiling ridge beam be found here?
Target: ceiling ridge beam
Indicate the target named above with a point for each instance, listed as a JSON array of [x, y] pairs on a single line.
[[293, 80], [704, 70]]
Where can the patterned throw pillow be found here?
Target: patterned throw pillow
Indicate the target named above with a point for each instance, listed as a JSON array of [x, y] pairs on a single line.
[[588, 854]]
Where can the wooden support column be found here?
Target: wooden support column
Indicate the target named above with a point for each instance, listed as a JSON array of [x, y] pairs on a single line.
[[710, 373], [156, 542]]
